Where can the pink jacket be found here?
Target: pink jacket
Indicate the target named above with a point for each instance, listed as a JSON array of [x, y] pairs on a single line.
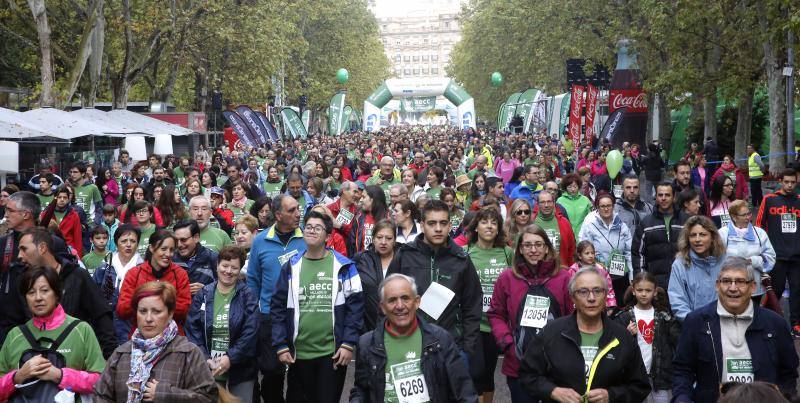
[[611, 298], [598, 168], [741, 180], [110, 197], [80, 382], [509, 290], [506, 169]]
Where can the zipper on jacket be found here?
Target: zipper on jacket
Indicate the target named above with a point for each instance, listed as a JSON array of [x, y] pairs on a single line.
[[434, 269], [713, 349]]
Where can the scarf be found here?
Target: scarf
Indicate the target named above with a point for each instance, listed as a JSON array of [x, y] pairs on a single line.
[[239, 203], [144, 354], [727, 167]]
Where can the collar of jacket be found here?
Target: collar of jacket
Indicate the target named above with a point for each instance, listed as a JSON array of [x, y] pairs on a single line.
[[710, 316], [639, 204], [749, 235], [572, 333], [615, 221], [420, 245], [746, 315], [69, 263], [180, 344], [429, 340], [272, 233], [704, 263]]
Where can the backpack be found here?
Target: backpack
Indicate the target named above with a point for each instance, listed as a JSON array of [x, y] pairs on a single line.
[[34, 390], [524, 335]]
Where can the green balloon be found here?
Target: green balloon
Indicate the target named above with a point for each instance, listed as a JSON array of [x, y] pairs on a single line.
[[613, 163], [342, 76], [497, 79]]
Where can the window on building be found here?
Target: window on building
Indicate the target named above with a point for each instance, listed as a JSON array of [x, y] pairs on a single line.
[[407, 71], [406, 58], [434, 70], [416, 72], [424, 71], [424, 58], [397, 57], [416, 58], [434, 58]]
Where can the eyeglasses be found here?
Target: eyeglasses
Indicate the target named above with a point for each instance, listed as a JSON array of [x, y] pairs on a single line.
[[314, 229], [605, 206], [739, 282], [74, 171], [529, 246], [747, 214], [584, 292], [728, 185], [143, 211], [523, 212]]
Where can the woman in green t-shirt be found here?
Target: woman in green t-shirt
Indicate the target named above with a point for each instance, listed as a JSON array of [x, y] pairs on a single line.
[[274, 183], [83, 360], [240, 204], [143, 216], [335, 180], [489, 254]]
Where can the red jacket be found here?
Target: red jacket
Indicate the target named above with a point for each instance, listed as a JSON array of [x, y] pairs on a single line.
[[70, 227], [741, 180], [143, 273], [567, 251]]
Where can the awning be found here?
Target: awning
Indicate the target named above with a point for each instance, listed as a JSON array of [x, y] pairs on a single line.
[[147, 124], [66, 125]]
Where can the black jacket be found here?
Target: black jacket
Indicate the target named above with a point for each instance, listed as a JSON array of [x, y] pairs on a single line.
[[82, 299], [446, 374], [556, 361], [653, 248], [203, 268], [666, 329], [454, 270], [368, 264], [653, 166], [698, 357], [14, 309]]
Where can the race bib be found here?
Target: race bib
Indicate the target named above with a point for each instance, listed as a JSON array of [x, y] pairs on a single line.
[[435, 299], [535, 312], [739, 370], [282, 259], [788, 223], [589, 353], [617, 265], [344, 217], [554, 238], [724, 219], [617, 191], [409, 383], [487, 302]]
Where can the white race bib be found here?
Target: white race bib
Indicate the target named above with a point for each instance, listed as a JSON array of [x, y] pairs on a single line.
[[435, 300], [739, 370], [788, 223], [487, 302], [409, 383], [535, 312], [724, 220], [616, 265], [344, 217], [617, 191], [282, 259]]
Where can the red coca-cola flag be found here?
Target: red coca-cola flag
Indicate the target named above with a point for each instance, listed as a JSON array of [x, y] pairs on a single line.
[[576, 101], [232, 138], [633, 99], [591, 108]]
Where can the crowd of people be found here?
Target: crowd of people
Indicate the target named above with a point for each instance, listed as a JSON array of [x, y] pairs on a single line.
[[422, 257]]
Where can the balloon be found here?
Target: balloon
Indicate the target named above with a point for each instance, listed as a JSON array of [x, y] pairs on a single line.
[[613, 163], [342, 76], [497, 79]]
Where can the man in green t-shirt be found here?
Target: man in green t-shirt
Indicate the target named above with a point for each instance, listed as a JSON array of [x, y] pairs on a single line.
[[210, 237], [403, 336], [386, 176], [87, 195], [45, 189], [321, 290]]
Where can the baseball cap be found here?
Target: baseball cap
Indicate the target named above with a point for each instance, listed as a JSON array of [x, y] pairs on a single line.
[[216, 190], [360, 185]]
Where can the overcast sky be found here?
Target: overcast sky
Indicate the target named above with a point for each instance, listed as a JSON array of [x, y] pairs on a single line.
[[400, 8]]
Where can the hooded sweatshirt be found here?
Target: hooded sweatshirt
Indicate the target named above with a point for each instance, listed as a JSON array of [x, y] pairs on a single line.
[[732, 331]]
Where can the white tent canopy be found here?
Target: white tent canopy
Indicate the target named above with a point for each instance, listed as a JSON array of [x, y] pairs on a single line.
[[14, 126], [69, 126], [106, 119], [147, 124]]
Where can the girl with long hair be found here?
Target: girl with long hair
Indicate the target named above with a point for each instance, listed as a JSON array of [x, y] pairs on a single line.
[[519, 218], [373, 209], [170, 206], [719, 203], [107, 185]]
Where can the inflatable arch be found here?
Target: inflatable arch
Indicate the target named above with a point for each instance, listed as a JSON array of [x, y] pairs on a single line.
[[406, 88]]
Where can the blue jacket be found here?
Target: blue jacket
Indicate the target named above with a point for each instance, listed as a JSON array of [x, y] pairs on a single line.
[[607, 238], [111, 246], [697, 182], [267, 255], [202, 267], [523, 192], [105, 276], [243, 321], [698, 357], [691, 287], [348, 309]]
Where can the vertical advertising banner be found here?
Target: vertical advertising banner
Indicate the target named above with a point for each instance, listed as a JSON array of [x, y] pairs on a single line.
[[591, 111], [575, 115], [240, 127], [336, 114]]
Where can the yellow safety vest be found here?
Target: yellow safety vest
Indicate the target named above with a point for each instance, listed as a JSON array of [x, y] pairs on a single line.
[[753, 170]]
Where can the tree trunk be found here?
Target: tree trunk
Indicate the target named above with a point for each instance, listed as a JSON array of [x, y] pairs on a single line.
[[773, 65], [43, 31], [744, 122], [96, 58], [664, 122], [710, 116], [84, 51]]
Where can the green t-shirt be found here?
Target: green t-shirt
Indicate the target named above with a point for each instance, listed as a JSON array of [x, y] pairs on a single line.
[[433, 193], [403, 353], [220, 333], [144, 242], [59, 215], [489, 263], [385, 185], [590, 345], [93, 259], [667, 219], [214, 238], [239, 212], [80, 349], [301, 205], [530, 161], [272, 189], [315, 300], [550, 227], [87, 196], [45, 200]]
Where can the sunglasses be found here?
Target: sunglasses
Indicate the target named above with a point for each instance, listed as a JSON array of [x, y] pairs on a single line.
[[523, 212]]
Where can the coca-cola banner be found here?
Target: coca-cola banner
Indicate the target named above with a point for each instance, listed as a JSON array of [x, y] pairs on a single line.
[[576, 101], [591, 109], [633, 99]]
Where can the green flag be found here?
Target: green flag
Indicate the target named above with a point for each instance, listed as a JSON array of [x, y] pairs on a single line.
[[563, 114], [293, 123], [307, 119], [335, 114], [344, 125]]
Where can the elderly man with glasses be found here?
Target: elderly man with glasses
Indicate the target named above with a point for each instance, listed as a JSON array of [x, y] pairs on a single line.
[[733, 340], [585, 356]]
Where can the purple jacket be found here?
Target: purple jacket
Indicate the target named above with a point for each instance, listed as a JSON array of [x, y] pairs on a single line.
[[506, 298]]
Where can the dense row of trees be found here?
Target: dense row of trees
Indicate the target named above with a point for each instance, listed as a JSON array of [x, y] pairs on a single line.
[[691, 52], [181, 51]]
